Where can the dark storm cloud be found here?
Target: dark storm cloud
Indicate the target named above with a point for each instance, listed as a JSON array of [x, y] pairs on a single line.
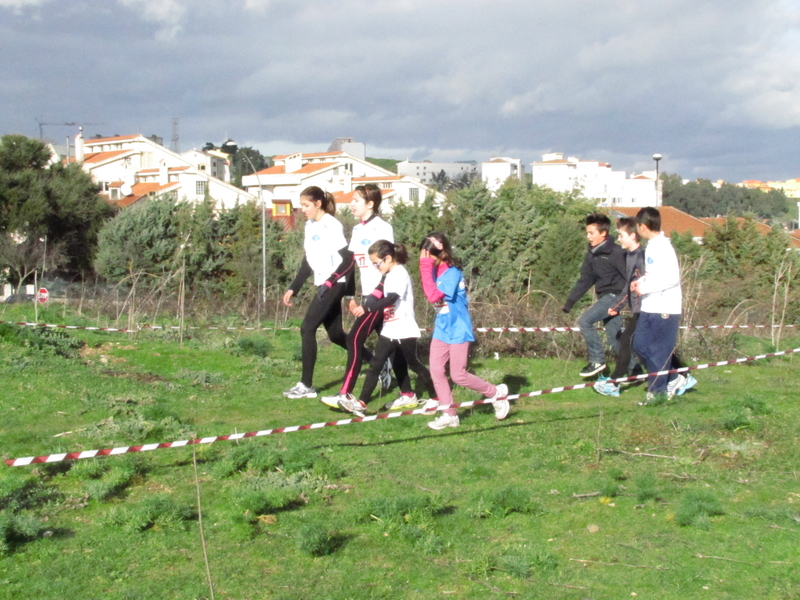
[[714, 87]]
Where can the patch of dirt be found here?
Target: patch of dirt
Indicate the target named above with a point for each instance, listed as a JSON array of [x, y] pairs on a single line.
[[142, 377], [87, 352]]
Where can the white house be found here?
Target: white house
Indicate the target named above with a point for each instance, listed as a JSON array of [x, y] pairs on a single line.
[[499, 169], [425, 170], [595, 180], [340, 173], [213, 162], [128, 168]]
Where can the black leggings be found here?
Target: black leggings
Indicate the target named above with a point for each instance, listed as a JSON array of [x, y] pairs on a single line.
[[408, 350], [357, 353], [325, 311]]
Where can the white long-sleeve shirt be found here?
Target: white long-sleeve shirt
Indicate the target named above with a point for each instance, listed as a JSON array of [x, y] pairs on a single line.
[[660, 286]]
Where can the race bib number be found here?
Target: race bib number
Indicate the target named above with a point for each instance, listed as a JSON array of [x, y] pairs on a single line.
[[361, 261], [389, 314], [441, 308]]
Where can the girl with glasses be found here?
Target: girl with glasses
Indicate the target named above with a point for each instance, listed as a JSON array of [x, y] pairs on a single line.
[[394, 299]]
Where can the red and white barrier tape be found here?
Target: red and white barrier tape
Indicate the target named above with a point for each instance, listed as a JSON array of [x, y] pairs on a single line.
[[242, 328], [51, 458]]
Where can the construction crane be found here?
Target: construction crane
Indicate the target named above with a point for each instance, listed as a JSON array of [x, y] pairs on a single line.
[[42, 124]]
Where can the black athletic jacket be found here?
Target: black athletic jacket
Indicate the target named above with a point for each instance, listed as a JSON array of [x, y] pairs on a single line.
[[604, 268]]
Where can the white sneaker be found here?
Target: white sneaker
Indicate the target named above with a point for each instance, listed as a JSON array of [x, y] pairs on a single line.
[[690, 383], [385, 378], [301, 391], [675, 385], [649, 397], [431, 405], [352, 404], [332, 401], [501, 407], [443, 421], [403, 402]]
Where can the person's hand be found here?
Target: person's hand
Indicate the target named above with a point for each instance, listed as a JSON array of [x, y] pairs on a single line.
[[287, 297], [352, 306], [323, 289], [424, 254], [635, 286], [612, 312], [358, 311]]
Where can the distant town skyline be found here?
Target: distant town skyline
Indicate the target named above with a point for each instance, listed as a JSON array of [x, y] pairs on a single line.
[[713, 87]]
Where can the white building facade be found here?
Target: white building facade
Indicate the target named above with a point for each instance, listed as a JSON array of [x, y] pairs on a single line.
[[500, 169], [596, 180], [340, 173], [425, 170], [129, 168]]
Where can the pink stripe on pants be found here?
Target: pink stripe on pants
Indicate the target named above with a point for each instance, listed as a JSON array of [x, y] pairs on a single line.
[[457, 355]]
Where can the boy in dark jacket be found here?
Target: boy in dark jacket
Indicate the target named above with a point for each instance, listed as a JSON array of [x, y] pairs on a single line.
[[604, 268]]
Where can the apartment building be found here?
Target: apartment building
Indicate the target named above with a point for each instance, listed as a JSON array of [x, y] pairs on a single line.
[[130, 168], [596, 180], [337, 172], [426, 170]]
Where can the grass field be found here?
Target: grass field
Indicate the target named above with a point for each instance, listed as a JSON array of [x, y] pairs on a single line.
[[575, 495]]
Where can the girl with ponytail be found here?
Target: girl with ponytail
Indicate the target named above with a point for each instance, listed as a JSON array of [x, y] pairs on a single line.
[[329, 261]]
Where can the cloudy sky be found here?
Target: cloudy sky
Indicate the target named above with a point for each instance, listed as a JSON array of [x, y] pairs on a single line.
[[712, 85]]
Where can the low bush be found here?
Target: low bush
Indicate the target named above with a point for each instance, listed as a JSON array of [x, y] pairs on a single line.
[[502, 502], [696, 508]]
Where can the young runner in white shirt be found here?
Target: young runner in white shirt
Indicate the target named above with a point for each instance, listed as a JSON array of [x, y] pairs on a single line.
[[394, 297], [365, 206], [329, 261]]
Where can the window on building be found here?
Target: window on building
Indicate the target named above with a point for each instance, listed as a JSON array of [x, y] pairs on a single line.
[[413, 194], [336, 170], [282, 209], [200, 188], [386, 186], [115, 193]]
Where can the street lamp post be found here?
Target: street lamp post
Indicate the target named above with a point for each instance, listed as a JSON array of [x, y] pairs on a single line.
[[230, 148], [657, 157]]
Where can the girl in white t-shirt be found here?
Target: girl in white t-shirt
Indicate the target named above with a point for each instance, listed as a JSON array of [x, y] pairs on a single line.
[[329, 261], [365, 206], [394, 296]]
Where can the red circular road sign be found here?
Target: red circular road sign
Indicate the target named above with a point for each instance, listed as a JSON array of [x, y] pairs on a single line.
[[43, 295]]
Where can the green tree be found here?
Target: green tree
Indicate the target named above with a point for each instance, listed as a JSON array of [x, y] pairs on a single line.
[[143, 238], [440, 181], [59, 204], [243, 162], [702, 199]]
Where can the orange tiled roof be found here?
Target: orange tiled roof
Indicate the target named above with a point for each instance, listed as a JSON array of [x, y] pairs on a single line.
[[277, 170], [346, 197], [314, 167], [139, 190], [155, 170], [308, 155], [672, 219], [306, 168], [98, 157]]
